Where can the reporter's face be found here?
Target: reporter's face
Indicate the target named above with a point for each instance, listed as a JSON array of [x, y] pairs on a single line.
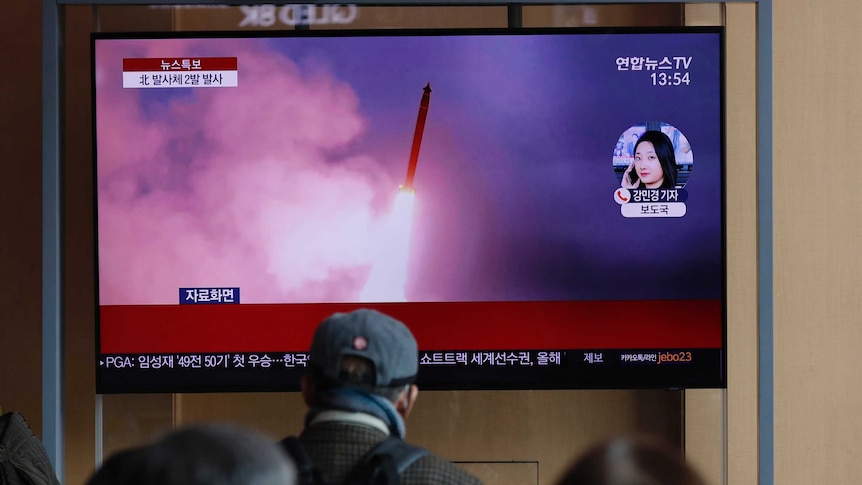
[[648, 166]]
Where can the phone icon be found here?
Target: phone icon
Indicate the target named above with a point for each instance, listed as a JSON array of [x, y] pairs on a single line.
[[622, 195]]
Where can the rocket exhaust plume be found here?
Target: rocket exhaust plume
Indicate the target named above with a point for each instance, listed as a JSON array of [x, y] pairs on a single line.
[[417, 137], [387, 281]]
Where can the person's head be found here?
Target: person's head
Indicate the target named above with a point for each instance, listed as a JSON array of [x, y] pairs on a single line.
[[213, 454], [631, 461], [217, 454], [122, 468], [655, 162], [367, 350]]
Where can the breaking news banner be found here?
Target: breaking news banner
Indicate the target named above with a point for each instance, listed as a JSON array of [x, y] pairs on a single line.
[[180, 72]]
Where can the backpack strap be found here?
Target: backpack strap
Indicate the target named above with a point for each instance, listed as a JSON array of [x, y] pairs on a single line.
[[382, 465], [403, 454], [306, 471], [385, 462]]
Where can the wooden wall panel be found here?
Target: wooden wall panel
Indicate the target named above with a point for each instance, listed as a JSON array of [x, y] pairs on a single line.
[[20, 216], [548, 428], [817, 231], [721, 426], [503, 473], [705, 424], [741, 206]]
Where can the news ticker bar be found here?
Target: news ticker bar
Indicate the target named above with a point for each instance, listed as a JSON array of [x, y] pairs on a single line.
[[473, 369]]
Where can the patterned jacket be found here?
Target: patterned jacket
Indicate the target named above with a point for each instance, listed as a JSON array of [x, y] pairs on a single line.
[[23, 459], [337, 446]]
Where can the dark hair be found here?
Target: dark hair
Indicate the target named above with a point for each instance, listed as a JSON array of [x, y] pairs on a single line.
[[631, 461], [212, 454], [122, 468], [355, 372], [218, 455], [665, 153]]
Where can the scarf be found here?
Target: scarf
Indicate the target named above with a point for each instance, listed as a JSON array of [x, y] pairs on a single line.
[[359, 401]]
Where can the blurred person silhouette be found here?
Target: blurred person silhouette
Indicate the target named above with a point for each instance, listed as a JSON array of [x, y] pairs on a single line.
[[206, 454], [359, 387], [630, 146], [123, 467], [634, 460]]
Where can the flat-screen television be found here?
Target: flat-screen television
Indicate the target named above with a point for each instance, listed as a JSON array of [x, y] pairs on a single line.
[[543, 208]]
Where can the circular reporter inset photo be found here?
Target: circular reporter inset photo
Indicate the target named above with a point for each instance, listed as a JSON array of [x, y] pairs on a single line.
[[652, 155]]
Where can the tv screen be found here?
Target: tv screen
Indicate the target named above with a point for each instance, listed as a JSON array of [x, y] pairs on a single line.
[[542, 207]]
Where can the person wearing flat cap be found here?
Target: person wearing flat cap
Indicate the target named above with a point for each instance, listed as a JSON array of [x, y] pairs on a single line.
[[359, 387]]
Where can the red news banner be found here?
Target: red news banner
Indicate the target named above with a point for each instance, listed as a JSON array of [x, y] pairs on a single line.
[[665, 324], [180, 72]]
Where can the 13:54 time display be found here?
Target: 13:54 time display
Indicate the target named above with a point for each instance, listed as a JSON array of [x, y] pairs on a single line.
[[670, 79]]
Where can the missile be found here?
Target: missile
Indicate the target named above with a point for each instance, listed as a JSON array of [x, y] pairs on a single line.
[[417, 137]]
